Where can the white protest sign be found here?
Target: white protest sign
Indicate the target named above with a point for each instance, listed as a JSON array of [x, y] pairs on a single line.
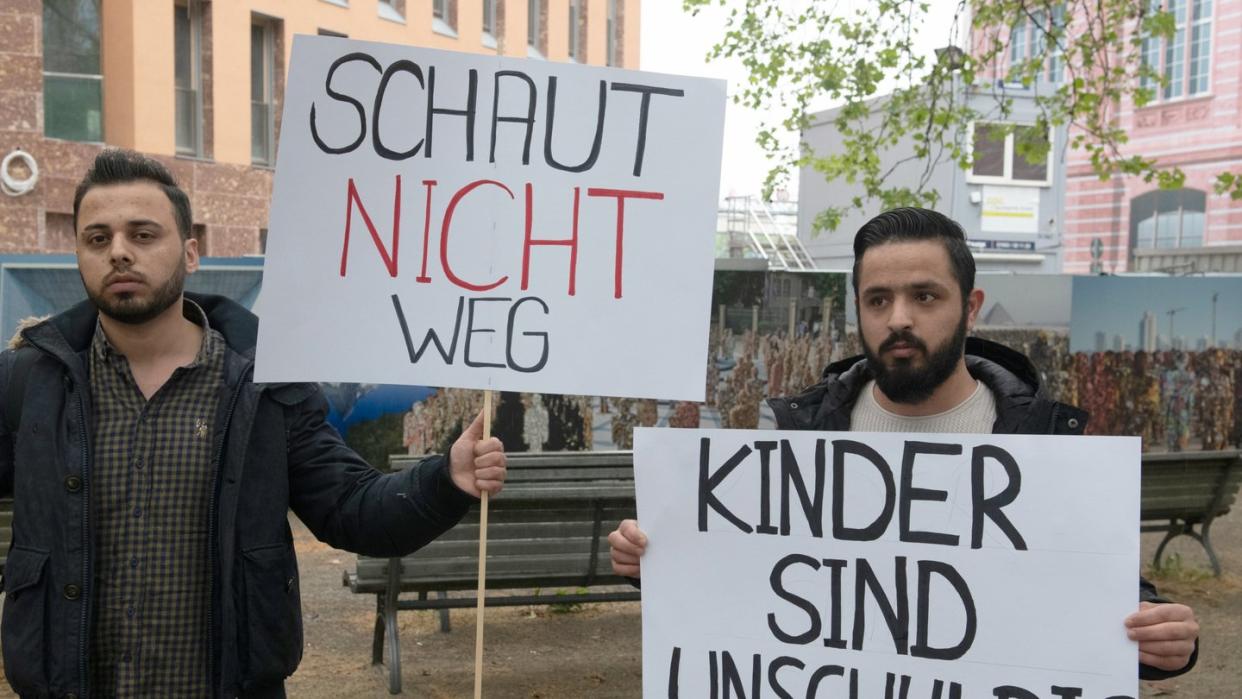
[[884, 565], [452, 219]]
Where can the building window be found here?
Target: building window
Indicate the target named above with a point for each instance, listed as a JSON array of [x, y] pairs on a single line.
[[392, 10], [489, 17], [1168, 219], [1183, 76], [329, 32], [537, 28], [1037, 35], [997, 158], [577, 48], [188, 77], [263, 93], [615, 31], [72, 80]]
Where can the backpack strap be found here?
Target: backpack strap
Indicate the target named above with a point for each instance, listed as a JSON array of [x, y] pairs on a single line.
[[23, 360]]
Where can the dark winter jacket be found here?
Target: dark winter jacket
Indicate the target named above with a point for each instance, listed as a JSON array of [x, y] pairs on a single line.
[[275, 451], [1021, 408]]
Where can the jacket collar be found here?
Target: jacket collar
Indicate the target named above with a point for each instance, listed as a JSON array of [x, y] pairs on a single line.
[[69, 334], [1009, 374]]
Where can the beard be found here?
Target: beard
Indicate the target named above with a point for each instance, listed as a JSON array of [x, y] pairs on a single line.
[[903, 382], [131, 309]]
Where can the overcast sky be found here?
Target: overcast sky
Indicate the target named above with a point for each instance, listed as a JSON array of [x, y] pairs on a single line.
[[674, 42]]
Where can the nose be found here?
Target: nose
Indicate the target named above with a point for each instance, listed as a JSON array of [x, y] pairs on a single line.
[[899, 318], [120, 253]]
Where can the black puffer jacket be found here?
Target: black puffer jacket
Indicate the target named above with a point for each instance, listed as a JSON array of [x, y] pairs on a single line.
[[1021, 408], [276, 451]]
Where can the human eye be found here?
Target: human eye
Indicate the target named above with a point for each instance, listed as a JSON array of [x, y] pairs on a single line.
[[877, 301], [925, 297]]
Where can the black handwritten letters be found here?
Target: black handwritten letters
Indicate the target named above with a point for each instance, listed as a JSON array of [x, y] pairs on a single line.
[[423, 78], [912, 605], [410, 111], [810, 498]]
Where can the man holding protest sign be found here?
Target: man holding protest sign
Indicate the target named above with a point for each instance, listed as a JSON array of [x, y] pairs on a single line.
[[152, 477], [914, 284]]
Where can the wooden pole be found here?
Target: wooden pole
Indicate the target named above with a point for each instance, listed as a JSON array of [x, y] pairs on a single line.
[[478, 615]]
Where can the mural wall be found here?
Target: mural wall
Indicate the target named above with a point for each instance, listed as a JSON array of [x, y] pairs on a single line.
[[1156, 357]]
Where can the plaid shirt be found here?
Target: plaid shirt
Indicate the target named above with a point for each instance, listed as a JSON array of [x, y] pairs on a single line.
[[153, 472]]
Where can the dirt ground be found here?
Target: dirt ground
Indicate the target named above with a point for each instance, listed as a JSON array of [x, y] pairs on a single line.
[[536, 653]]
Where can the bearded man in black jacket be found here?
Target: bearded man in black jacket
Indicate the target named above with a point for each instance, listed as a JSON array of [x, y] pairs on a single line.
[[152, 477], [914, 284]]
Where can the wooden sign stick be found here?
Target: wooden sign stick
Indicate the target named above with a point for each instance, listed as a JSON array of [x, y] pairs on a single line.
[[478, 618]]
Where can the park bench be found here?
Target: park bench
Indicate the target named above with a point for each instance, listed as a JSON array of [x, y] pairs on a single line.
[[1185, 490], [547, 530]]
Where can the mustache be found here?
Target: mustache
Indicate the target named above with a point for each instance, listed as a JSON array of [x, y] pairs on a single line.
[[127, 274], [904, 337]]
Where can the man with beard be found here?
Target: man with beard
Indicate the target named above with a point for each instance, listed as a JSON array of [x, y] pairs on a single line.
[[152, 478], [914, 286]]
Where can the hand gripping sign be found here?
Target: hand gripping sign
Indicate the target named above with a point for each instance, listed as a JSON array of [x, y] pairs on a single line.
[[803, 564], [451, 219]]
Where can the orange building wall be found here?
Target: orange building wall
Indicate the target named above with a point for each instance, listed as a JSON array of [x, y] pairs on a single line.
[[229, 194]]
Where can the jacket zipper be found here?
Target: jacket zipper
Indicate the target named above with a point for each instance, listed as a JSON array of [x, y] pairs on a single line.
[[213, 551]]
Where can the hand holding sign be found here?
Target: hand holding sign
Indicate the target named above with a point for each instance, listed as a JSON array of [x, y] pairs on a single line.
[[477, 465], [628, 544], [1166, 634]]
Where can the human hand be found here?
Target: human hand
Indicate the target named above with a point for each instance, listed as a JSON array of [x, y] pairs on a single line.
[[1165, 633], [628, 543], [477, 465]]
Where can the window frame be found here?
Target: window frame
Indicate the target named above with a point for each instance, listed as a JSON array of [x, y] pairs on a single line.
[[534, 29], [1033, 43], [575, 31], [194, 14], [1182, 210], [611, 47], [92, 77], [1160, 48], [1010, 154], [268, 28]]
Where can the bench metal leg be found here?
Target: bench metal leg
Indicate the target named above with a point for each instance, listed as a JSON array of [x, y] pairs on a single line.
[[1206, 540], [444, 614], [377, 641], [1203, 536], [1171, 533], [394, 650], [390, 625]]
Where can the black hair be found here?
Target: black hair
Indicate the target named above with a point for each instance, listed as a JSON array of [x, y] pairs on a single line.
[[908, 224], [118, 166]]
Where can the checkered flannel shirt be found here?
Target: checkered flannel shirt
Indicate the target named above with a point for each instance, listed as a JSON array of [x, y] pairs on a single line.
[[152, 475]]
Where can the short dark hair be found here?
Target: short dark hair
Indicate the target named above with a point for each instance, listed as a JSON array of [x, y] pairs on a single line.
[[118, 166], [908, 224]]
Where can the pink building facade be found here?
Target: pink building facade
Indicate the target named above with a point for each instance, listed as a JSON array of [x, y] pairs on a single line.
[[1195, 123]]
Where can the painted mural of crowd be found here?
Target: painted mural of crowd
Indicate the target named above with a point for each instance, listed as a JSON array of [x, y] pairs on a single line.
[[742, 371], [1175, 400]]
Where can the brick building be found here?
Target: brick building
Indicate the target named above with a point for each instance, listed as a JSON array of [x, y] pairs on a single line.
[[198, 84], [1195, 123]]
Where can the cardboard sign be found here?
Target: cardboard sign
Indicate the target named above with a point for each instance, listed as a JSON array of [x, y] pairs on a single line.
[[884, 565], [462, 220]]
